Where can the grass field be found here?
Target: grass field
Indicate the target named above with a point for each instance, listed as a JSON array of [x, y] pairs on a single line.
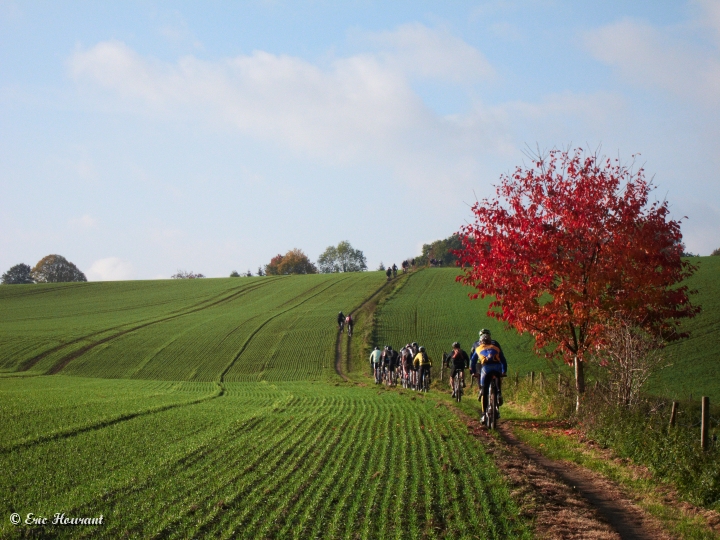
[[212, 408]]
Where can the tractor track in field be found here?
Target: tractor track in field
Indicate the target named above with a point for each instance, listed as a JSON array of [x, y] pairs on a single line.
[[77, 353], [254, 332], [107, 422]]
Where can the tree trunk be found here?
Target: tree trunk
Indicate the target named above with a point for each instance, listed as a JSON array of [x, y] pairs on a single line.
[[579, 381]]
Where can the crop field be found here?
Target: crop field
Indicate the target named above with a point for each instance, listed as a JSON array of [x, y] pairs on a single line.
[[212, 408], [261, 460], [234, 329]]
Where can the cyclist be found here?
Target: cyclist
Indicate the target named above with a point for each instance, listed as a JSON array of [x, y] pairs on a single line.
[[406, 357], [394, 269], [473, 358], [422, 365], [350, 323], [392, 362], [489, 358], [388, 273], [375, 360], [341, 320], [458, 362]]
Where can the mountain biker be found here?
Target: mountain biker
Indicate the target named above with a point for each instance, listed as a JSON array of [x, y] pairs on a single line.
[[474, 358], [388, 273], [458, 362], [341, 320], [375, 359], [406, 358], [350, 323], [422, 365], [394, 269], [488, 356], [391, 359]]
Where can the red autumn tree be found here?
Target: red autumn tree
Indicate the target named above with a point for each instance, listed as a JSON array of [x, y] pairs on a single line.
[[569, 244]]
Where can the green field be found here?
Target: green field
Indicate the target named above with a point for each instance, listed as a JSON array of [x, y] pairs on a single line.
[[212, 408]]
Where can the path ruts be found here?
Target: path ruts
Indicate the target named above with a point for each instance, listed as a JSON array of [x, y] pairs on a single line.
[[625, 517], [338, 340]]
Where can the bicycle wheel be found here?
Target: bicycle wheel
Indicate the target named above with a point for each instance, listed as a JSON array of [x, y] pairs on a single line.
[[492, 404]]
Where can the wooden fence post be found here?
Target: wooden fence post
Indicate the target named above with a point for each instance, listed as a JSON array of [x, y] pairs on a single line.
[[532, 378], [442, 368], [673, 413], [559, 382], [517, 378], [705, 422], [542, 380]]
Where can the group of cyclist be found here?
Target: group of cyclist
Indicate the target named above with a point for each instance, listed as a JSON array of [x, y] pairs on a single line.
[[412, 366], [345, 322]]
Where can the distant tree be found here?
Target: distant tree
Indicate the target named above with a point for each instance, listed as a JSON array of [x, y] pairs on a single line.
[[271, 269], [260, 271], [248, 273], [234, 273], [18, 275], [381, 267], [441, 250], [568, 245], [296, 262], [342, 258], [182, 274], [56, 269], [716, 252]]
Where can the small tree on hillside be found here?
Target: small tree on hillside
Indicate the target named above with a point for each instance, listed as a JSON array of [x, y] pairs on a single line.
[[18, 275], [716, 252], [293, 262], [296, 262], [56, 269], [234, 273], [569, 244], [271, 269], [342, 258]]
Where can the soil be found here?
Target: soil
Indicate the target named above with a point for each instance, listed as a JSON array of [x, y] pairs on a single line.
[[564, 500]]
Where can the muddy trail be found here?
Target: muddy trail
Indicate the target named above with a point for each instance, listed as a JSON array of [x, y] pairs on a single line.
[[563, 499]]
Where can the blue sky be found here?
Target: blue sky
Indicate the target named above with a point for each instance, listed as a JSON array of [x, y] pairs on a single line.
[[139, 138]]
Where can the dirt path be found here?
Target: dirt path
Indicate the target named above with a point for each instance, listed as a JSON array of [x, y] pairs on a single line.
[[625, 517], [338, 340], [564, 500]]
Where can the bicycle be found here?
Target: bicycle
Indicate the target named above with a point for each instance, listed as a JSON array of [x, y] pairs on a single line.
[[457, 386], [350, 330], [491, 413], [378, 374]]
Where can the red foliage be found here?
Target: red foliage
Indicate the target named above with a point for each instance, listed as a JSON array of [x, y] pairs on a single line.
[[570, 243]]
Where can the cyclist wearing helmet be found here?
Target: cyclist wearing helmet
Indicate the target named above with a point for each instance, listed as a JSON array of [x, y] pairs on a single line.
[[406, 358], [474, 358], [349, 323], [422, 365], [457, 362], [375, 359], [341, 320], [489, 358]]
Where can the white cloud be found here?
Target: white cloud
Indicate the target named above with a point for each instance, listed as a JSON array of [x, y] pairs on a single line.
[[110, 269], [86, 221], [668, 58], [434, 54], [355, 110]]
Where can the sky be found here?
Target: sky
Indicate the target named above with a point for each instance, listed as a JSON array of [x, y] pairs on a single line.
[[142, 138]]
